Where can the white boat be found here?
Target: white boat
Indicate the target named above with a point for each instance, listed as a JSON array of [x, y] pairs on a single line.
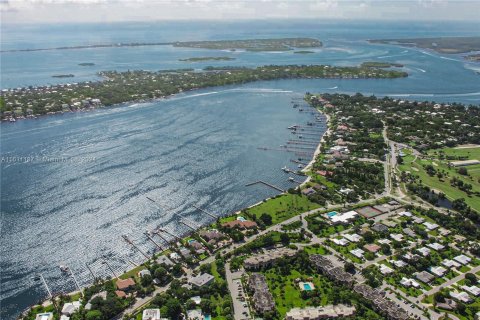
[[64, 268], [291, 179], [285, 169]]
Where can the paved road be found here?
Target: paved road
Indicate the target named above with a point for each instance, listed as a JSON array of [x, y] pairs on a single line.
[[449, 282]]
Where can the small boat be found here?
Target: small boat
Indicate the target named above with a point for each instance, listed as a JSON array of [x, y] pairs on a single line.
[[64, 268], [291, 179], [300, 166], [12, 120], [285, 169]]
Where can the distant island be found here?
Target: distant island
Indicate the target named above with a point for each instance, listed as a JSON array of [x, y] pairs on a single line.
[[281, 44], [304, 52], [198, 59], [119, 87], [376, 64], [63, 75], [473, 57], [449, 45], [86, 64]]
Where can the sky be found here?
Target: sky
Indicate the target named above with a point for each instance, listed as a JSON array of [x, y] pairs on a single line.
[[56, 11]]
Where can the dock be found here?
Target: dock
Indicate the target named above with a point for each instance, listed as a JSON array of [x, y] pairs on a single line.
[[206, 212], [135, 246], [265, 183]]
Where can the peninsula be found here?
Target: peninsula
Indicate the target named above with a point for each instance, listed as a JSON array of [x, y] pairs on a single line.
[[449, 45], [120, 87], [281, 44], [199, 59]]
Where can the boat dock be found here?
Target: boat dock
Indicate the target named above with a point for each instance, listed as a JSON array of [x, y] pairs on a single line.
[[265, 183]]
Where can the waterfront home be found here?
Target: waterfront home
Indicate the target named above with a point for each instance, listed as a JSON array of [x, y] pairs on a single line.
[[143, 273], [247, 224], [126, 284], [201, 280], [70, 307], [101, 294], [151, 314], [212, 235], [308, 191], [165, 261]]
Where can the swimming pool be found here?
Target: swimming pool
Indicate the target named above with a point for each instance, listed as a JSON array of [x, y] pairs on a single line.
[[207, 317], [241, 218], [331, 214], [307, 287]]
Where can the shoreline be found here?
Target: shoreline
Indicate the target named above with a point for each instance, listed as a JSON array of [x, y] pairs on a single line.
[[237, 212]]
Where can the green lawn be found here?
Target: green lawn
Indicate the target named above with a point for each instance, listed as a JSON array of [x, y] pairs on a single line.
[[283, 207], [416, 168], [287, 293]]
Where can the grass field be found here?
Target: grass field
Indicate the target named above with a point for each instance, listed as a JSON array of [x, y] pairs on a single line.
[[283, 207], [415, 166]]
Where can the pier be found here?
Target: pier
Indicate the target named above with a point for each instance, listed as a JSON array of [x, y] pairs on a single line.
[[170, 234], [154, 242], [265, 183], [135, 246], [206, 212]]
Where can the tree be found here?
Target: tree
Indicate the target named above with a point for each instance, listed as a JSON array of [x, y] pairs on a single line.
[[349, 267], [439, 297], [146, 280], [463, 171], [285, 238], [266, 219], [94, 315], [471, 277], [174, 308]]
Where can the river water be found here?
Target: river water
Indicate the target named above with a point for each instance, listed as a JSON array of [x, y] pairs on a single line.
[[73, 184]]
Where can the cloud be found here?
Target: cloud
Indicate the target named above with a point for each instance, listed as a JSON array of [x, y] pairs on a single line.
[[20, 11]]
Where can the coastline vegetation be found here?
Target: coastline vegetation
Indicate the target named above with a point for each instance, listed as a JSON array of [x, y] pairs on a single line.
[[449, 45], [281, 44], [129, 86], [63, 75], [377, 64], [303, 52], [198, 59]]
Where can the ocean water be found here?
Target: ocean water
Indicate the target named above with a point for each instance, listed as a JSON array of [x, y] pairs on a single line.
[[73, 184]]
